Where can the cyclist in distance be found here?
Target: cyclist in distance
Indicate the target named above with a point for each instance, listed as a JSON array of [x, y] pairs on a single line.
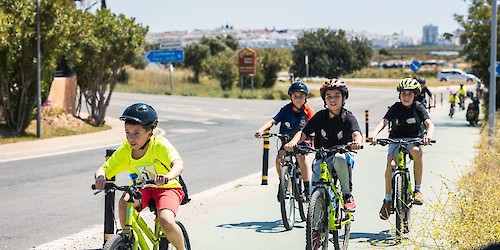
[[332, 126], [407, 118], [292, 118], [462, 93], [151, 157], [424, 90]]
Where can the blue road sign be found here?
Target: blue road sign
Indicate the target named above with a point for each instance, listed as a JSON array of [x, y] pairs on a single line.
[[415, 66], [165, 56], [497, 69]]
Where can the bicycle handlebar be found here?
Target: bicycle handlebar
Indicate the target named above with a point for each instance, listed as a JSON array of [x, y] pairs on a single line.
[[324, 151], [132, 190], [415, 141], [269, 135]]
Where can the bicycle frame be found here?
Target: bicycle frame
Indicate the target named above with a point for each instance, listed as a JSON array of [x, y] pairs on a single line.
[[402, 169], [135, 224], [329, 185]]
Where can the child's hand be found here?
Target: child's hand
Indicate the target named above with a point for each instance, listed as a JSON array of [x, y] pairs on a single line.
[[373, 140], [161, 179], [100, 182], [354, 145], [290, 146], [258, 133]]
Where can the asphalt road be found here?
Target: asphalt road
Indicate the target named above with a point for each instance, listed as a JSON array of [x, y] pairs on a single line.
[[49, 197]]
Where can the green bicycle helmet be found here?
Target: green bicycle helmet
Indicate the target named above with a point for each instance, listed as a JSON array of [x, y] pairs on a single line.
[[409, 84]]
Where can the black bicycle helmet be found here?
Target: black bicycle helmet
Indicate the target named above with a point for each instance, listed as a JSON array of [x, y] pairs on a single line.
[[141, 113], [334, 84], [421, 80], [298, 87]]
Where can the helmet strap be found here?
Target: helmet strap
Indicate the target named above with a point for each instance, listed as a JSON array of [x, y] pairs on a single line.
[[145, 144]]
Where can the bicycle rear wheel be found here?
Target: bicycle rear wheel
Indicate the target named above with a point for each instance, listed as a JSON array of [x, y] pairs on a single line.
[[165, 245], [342, 234], [118, 242], [287, 198], [317, 220]]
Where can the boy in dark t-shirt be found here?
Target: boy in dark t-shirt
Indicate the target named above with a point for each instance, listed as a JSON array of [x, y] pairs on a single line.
[[292, 118], [407, 118], [334, 126]]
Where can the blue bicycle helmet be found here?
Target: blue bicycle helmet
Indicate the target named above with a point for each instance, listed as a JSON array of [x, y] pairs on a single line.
[[298, 87], [141, 113]]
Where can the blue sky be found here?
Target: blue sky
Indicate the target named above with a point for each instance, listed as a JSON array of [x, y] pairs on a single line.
[[382, 16]]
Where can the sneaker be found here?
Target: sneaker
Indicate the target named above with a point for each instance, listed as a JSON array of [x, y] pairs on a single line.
[[386, 209], [349, 203], [418, 198]]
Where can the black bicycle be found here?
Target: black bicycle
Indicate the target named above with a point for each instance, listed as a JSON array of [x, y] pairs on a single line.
[[326, 213], [402, 188], [291, 186]]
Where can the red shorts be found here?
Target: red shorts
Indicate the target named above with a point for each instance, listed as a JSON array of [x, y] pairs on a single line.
[[164, 198]]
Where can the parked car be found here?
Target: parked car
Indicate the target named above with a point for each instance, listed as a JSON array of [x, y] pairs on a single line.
[[455, 75]]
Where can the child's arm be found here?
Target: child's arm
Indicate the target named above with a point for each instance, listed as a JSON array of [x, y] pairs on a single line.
[[374, 134], [266, 125], [297, 138], [430, 131], [357, 140]]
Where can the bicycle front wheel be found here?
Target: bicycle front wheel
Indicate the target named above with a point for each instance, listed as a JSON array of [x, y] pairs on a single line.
[[165, 245], [342, 234], [402, 210], [287, 198], [118, 242], [317, 221]]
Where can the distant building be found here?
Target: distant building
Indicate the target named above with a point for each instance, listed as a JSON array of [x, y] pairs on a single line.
[[430, 35]]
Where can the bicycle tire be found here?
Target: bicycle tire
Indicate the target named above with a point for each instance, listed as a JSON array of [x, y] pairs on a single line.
[[342, 234], [165, 244], [298, 196], [287, 198], [317, 222], [400, 203], [118, 242]]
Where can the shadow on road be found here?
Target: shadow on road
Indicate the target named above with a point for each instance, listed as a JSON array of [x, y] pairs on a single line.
[[260, 227], [452, 124], [383, 239]]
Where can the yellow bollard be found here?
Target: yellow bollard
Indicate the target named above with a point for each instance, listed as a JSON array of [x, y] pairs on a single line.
[[265, 159]]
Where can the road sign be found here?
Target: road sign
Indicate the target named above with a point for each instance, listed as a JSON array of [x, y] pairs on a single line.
[[415, 66], [246, 62], [497, 69], [165, 56]]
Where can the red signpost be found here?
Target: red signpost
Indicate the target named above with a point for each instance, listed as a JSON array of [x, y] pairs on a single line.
[[246, 62]]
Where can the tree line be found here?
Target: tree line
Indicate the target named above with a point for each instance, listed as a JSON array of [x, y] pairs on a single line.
[[98, 46]]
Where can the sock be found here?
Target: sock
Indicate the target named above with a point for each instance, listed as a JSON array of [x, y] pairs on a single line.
[[306, 186], [417, 188], [388, 197]]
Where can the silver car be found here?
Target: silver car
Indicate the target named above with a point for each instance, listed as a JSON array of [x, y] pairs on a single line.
[[455, 75]]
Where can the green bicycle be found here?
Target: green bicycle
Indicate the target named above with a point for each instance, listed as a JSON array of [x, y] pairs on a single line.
[[326, 213], [402, 188], [132, 236]]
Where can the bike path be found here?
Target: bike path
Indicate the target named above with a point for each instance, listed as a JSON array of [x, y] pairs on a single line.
[[245, 215]]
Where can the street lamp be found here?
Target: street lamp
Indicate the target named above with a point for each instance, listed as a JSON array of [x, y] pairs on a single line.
[[493, 55], [38, 73]]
